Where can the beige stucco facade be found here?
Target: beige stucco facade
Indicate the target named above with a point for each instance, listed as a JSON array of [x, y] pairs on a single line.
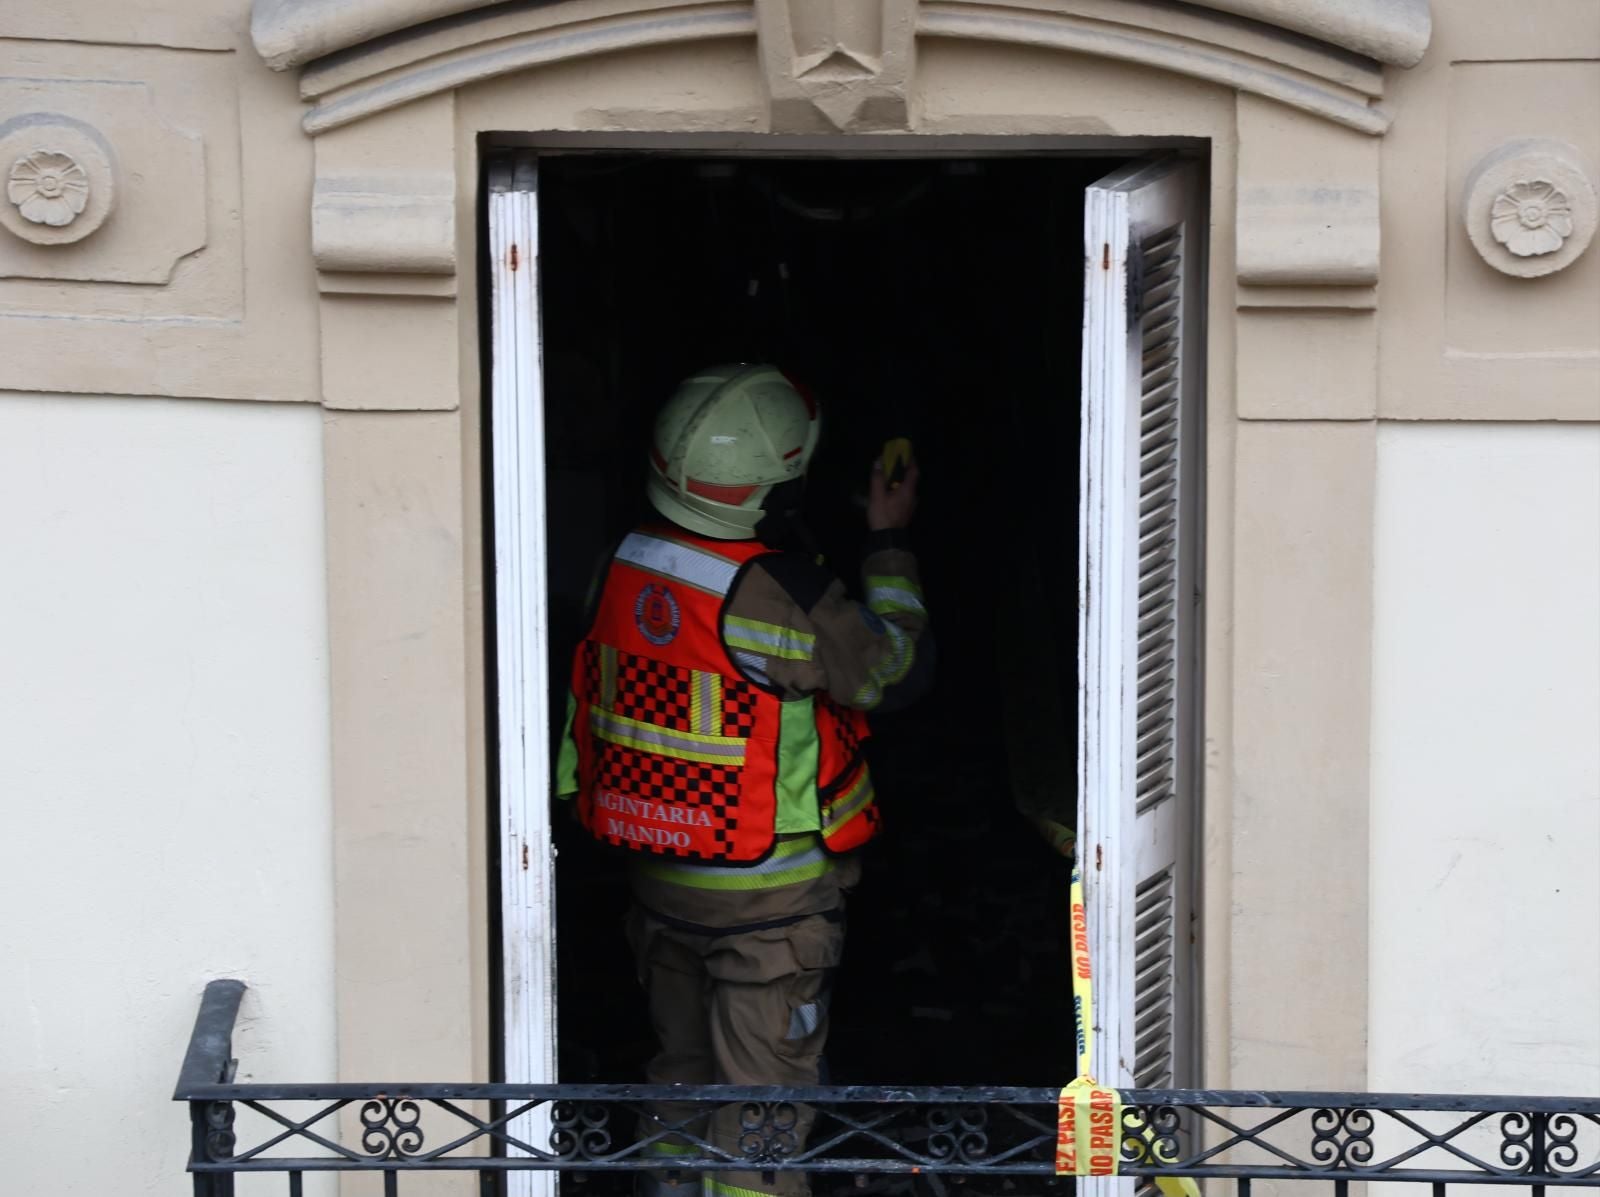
[[288, 216]]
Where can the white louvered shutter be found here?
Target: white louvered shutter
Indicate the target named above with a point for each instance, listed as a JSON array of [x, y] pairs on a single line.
[[1138, 608]]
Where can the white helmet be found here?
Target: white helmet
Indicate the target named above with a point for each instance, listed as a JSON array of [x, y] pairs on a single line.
[[725, 439]]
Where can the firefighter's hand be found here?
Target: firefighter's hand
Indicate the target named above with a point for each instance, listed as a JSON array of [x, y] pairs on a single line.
[[891, 508]]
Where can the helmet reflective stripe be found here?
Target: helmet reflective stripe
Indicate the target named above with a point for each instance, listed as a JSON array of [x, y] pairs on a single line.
[[680, 562], [726, 437]]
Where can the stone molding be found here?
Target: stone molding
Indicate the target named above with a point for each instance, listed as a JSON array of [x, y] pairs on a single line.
[[1306, 257], [1207, 46], [291, 33], [1298, 235], [388, 194], [481, 46], [393, 223], [841, 64], [384, 234], [1393, 31]]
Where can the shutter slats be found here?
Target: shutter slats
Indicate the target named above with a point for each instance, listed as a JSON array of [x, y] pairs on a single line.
[[1153, 707], [1154, 1022], [1162, 568], [1160, 708], [1155, 616], [1157, 338], [1158, 453], [1155, 783], [1150, 751], [1161, 533], [1160, 247], [1160, 316], [1161, 403], [1157, 514], [1162, 295], [1156, 673]]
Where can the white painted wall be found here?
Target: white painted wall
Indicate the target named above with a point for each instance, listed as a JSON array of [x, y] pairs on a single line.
[[164, 758], [1485, 944]]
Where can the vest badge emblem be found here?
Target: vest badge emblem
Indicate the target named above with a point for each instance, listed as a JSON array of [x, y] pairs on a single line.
[[656, 612]]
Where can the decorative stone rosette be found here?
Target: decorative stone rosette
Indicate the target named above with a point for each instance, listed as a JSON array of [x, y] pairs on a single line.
[[59, 180], [48, 188], [1529, 208]]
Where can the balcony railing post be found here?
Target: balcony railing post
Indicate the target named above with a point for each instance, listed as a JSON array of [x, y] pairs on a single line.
[[204, 1185], [211, 1138], [209, 1061], [1538, 1145]]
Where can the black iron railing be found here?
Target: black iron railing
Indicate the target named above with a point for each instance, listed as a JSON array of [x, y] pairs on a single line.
[[929, 1136]]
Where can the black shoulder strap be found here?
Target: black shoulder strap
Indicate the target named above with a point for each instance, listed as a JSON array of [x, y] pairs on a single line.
[[799, 576]]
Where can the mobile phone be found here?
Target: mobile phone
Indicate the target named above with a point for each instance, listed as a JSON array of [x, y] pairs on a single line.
[[896, 460]]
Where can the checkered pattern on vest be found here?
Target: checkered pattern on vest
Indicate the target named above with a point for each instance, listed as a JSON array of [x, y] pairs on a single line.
[[652, 692], [660, 694], [687, 783], [847, 729]]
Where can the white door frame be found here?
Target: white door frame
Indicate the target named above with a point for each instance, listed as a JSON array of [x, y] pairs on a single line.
[[522, 640], [522, 648]]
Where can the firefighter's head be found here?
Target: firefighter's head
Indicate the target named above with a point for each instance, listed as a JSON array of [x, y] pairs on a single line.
[[731, 449]]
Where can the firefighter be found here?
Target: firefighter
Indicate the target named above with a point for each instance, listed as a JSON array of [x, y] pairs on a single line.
[[718, 720]]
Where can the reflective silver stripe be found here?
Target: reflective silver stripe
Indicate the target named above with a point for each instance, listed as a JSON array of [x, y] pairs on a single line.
[[673, 560], [807, 854], [610, 726], [851, 804], [894, 668], [894, 599], [755, 665], [869, 696], [804, 1020], [790, 645]]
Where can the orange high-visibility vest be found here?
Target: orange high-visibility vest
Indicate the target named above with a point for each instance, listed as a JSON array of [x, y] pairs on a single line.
[[677, 747]]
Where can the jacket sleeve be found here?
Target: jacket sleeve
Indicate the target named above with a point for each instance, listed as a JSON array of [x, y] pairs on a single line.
[[567, 754], [793, 622], [566, 769]]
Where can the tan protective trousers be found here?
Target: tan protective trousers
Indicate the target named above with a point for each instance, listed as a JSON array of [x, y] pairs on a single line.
[[749, 1008]]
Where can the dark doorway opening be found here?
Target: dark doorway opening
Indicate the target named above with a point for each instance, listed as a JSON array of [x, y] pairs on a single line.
[[935, 299]]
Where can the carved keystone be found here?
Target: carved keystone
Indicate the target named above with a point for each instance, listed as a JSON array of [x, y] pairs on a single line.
[[840, 65]]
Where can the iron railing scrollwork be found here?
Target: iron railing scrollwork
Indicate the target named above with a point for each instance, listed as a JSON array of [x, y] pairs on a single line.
[[853, 1133]]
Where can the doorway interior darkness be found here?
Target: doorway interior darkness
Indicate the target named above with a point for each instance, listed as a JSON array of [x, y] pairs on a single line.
[[941, 299]]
